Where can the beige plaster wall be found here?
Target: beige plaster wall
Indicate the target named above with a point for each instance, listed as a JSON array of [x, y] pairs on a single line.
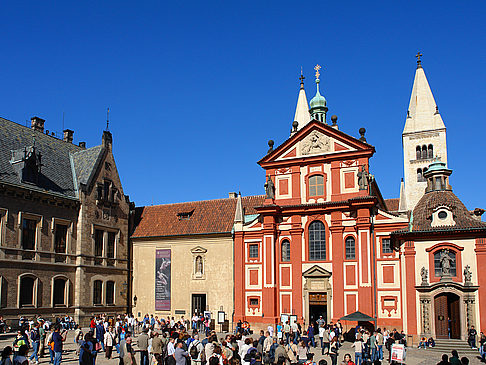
[[216, 283]]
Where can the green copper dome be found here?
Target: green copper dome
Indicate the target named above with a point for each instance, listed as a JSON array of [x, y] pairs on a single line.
[[318, 101]]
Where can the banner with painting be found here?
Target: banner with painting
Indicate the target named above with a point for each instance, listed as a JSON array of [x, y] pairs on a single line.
[[162, 280]]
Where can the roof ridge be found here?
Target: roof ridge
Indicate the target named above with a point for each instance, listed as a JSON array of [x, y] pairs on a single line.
[[44, 134], [200, 201]]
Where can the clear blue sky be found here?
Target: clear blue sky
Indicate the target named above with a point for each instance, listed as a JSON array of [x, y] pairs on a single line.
[[196, 88]]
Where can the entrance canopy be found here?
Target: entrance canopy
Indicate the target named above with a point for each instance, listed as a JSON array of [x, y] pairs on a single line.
[[358, 316]]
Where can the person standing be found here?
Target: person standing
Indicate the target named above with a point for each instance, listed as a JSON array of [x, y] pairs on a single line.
[[21, 357], [196, 350], [58, 340], [157, 347], [42, 338], [180, 355], [142, 343], [334, 350], [373, 347], [358, 351], [472, 333], [109, 342], [35, 341], [379, 345], [5, 357]]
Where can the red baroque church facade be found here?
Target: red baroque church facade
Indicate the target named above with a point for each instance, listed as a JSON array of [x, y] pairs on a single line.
[[321, 245], [326, 243]]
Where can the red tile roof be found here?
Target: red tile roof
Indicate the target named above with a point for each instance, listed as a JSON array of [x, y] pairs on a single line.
[[392, 204], [208, 216]]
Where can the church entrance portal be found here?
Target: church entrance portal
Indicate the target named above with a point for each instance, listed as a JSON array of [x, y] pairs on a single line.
[[317, 306], [447, 316]]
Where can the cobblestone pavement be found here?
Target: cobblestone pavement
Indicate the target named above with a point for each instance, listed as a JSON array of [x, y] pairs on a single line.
[[414, 356]]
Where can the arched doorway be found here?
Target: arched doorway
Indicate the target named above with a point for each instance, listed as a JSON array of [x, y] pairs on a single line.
[[447, 316]]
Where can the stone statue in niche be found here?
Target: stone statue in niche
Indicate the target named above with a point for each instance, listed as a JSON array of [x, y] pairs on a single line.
[[315, 143], [199, 265], [445, 262], [424, 273], [467, 275], [269, 188], [364, 178]]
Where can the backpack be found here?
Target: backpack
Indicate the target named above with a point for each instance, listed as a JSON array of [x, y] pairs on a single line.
[[34, 335], [193, 351]]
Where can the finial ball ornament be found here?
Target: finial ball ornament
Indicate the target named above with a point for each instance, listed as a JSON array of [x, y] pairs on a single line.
[[271, 143], [334, 118], [362, 131]]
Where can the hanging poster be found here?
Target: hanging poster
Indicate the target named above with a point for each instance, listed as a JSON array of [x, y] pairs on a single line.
[[162, 280]]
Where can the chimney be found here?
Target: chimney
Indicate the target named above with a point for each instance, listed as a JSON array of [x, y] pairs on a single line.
[[82, 144], [68, 135], [37, 124], [232, 195]]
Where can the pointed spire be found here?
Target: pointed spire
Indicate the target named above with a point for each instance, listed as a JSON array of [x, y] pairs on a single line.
[[402, 204], [302, 116], [422, 112], [239, 217]]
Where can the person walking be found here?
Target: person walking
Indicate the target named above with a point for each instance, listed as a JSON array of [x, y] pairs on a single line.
[[42, 338], [196, 350], [157, 347], [358, 351]]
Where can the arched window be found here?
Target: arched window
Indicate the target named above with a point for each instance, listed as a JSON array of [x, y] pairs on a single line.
[[317, 241], [420, 177], [97, 292], [59, 292], [350, 248], [316, 185], [110, 292], [285, 250], [424, 152], [418, 153], [199, 265], [445, 263], [430, 151], [27, 291]]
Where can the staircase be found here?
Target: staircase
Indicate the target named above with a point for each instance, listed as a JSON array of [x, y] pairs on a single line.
[[445, 346]]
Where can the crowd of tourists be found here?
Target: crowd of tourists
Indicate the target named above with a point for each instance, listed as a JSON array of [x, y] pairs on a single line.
[[166, 341]]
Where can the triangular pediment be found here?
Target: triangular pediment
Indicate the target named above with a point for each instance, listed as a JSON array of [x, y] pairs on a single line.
[[316, 272], [315, 139], [198, 250]]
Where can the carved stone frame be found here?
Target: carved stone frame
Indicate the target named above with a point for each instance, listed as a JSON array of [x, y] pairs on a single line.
[[316, 279]]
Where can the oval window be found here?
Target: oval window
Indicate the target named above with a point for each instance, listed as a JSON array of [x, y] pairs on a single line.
[[442, 215]]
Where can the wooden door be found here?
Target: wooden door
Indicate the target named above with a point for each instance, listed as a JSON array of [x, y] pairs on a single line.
[[454, 315], [441, 316]]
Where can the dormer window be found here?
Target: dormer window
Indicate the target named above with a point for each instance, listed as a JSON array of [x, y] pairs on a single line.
[[185, 215], [442, 216]]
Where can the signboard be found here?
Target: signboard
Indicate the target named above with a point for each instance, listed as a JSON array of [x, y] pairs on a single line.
[[162, 280], [220, 317], [398, 353], [284, 318]]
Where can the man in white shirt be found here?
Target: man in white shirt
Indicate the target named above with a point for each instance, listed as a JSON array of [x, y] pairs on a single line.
[[170, 347]]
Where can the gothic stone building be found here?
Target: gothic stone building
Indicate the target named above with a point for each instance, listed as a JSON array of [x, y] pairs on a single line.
[[63, 225]]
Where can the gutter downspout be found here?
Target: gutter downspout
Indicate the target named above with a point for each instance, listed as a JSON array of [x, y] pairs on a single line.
[[375, 294]]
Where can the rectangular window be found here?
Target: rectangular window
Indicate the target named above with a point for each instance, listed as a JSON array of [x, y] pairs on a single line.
[[98, 246], [386, 246], [28, 233], [316, 185], [97, 288], [60, 239], [110, 249], [110, 292], [106, 190], [253, 251], [254, 301]]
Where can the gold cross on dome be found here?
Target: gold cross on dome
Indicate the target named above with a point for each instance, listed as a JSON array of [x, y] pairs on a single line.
[[419, 61], [317, 68]]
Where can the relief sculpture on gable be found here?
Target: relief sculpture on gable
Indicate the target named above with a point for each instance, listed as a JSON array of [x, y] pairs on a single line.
[[316, 143]]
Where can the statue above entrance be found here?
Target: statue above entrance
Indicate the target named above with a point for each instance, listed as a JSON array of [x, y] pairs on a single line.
[[446, 262]]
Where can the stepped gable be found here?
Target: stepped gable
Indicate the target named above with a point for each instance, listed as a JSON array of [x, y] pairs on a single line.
[[198, 217], [422, 214]]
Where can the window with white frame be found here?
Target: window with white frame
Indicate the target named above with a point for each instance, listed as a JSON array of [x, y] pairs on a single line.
[[386, 246], [253, 248], [59, 292], [97, 292], [350, 248]]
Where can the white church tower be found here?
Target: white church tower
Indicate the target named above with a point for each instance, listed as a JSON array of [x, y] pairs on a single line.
[[423, 139]]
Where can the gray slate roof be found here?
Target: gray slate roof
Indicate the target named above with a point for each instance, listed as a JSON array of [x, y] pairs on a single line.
[[59, 159]]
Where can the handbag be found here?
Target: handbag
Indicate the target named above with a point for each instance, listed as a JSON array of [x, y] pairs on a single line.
[[98, 346]]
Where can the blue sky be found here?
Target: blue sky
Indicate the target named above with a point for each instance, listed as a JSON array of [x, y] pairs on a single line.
[[196, 89]]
